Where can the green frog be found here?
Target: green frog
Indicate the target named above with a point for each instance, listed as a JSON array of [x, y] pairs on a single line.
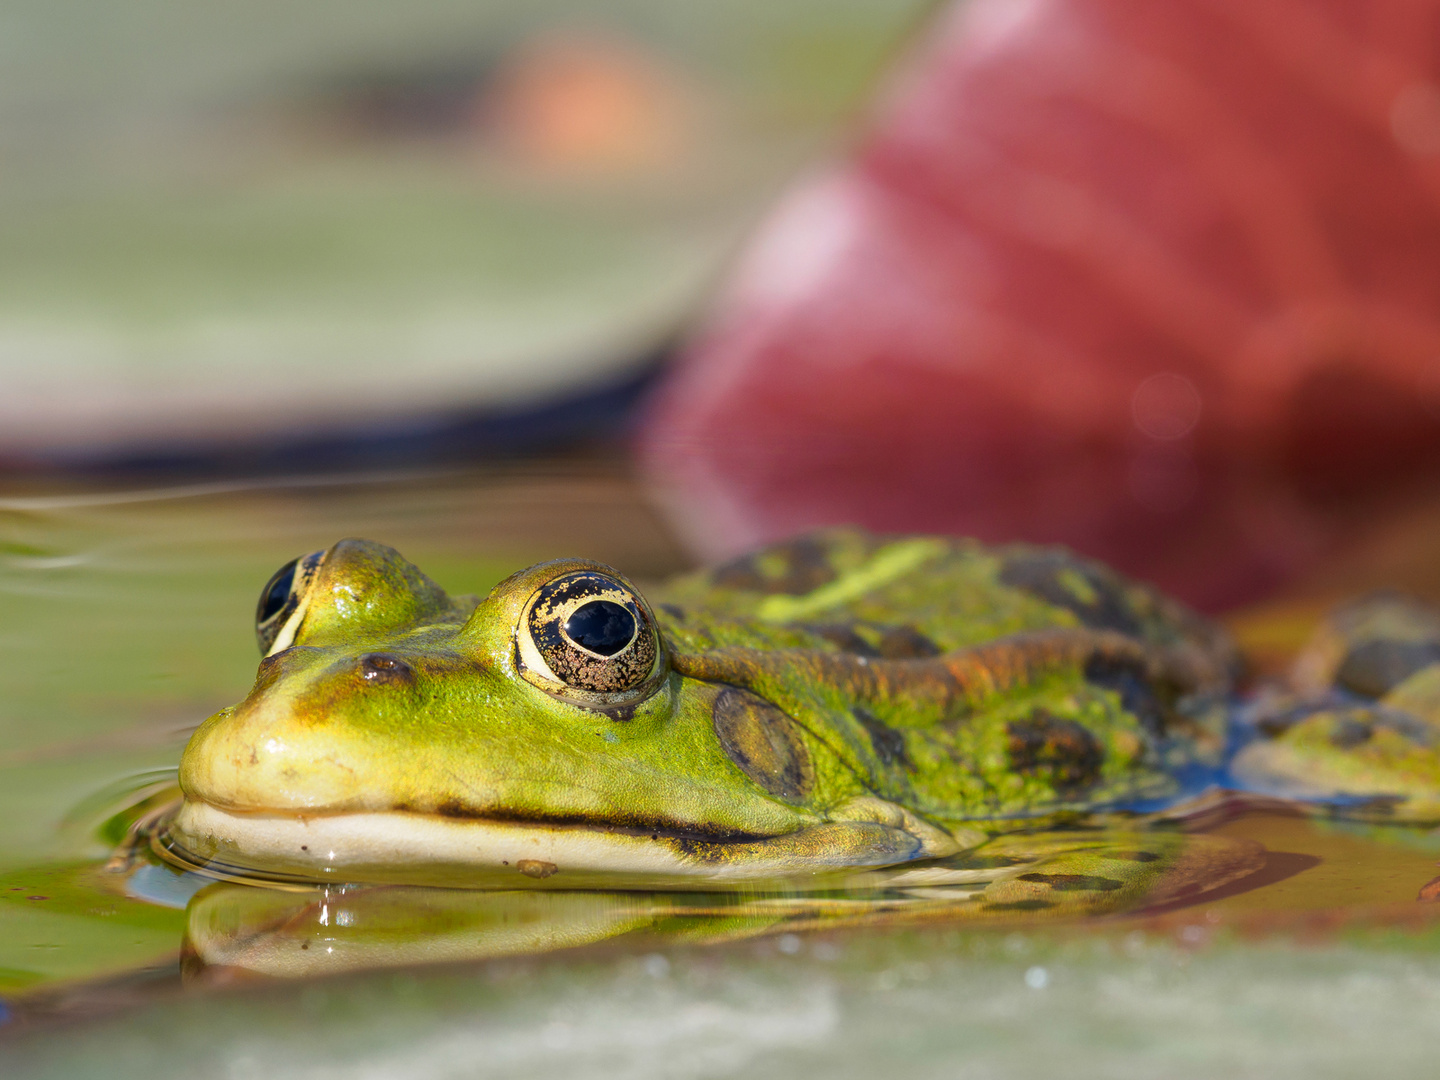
[[836, 702]]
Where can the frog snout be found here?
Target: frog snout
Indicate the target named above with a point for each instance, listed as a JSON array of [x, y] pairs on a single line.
[[270, 753]]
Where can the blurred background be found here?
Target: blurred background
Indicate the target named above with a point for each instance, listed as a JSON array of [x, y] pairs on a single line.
[[1161, 285], [320, 235]]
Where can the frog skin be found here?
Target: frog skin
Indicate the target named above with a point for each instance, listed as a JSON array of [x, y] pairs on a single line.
[[837, 701]]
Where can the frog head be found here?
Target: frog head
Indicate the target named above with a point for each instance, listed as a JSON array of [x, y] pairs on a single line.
[[398, 733]]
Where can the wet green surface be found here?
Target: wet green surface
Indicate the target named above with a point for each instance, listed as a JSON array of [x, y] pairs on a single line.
[[933, 1003], [64, 923]]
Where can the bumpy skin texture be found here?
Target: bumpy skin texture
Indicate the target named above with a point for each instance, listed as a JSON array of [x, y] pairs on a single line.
[[839, 700], [963, 682]]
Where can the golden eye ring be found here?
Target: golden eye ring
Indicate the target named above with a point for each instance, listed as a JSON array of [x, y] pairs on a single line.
[[588, 636]]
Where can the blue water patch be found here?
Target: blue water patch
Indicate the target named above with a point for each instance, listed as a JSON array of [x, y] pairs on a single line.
[[164, 887]]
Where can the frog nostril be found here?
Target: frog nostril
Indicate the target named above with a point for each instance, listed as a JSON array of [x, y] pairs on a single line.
[[383, 667]]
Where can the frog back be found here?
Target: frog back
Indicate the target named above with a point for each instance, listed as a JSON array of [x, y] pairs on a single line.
[[961, 681]]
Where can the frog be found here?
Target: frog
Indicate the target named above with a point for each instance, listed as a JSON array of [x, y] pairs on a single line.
[[836, 702]]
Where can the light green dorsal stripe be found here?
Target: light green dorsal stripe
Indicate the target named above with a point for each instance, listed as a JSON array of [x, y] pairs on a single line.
[[885, 566]]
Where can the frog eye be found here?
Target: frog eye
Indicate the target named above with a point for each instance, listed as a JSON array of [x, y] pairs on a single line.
[[589, 634], [283, 601]]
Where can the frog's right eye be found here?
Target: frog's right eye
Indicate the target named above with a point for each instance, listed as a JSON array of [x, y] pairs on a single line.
[[589, 637], [283, 601]]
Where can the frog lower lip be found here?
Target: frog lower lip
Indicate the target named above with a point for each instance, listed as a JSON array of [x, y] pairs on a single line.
[[398, 846], [359, 845]]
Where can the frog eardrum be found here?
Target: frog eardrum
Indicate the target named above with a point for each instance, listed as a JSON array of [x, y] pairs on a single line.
[[283, 601], [590, 636]]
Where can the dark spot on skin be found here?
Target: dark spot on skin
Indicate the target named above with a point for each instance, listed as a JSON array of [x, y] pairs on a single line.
[[1020, 905], [304, 847], [889, 744], [1061, 752], [1074, 882], [385, 669], [1273, 726], [804, 567], [1346, 729], [504, 862], [1347, 732], [675, 612], [536, 868], [1138, 694], [1101, 605], [1403, 723], [700, 850], [892, 642], [763, 743], [1134, 856], [305, 945], [741, 574], [844, 638], [1373, 668], [1360, 724], [906, 643]]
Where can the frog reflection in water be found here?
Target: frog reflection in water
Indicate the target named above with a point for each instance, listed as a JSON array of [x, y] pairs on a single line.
[[837, 701]]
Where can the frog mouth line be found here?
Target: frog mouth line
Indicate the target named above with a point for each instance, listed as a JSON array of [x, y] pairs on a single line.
[[397, 846], [654, 829]]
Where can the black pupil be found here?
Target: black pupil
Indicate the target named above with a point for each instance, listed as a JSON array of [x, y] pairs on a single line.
[[277, 592], [601, 626]]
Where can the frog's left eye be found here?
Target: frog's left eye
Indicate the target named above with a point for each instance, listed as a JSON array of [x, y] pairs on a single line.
[[283, 601], [589, 635]]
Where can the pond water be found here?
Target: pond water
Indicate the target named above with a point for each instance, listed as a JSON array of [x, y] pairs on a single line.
[[1292, 945]]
